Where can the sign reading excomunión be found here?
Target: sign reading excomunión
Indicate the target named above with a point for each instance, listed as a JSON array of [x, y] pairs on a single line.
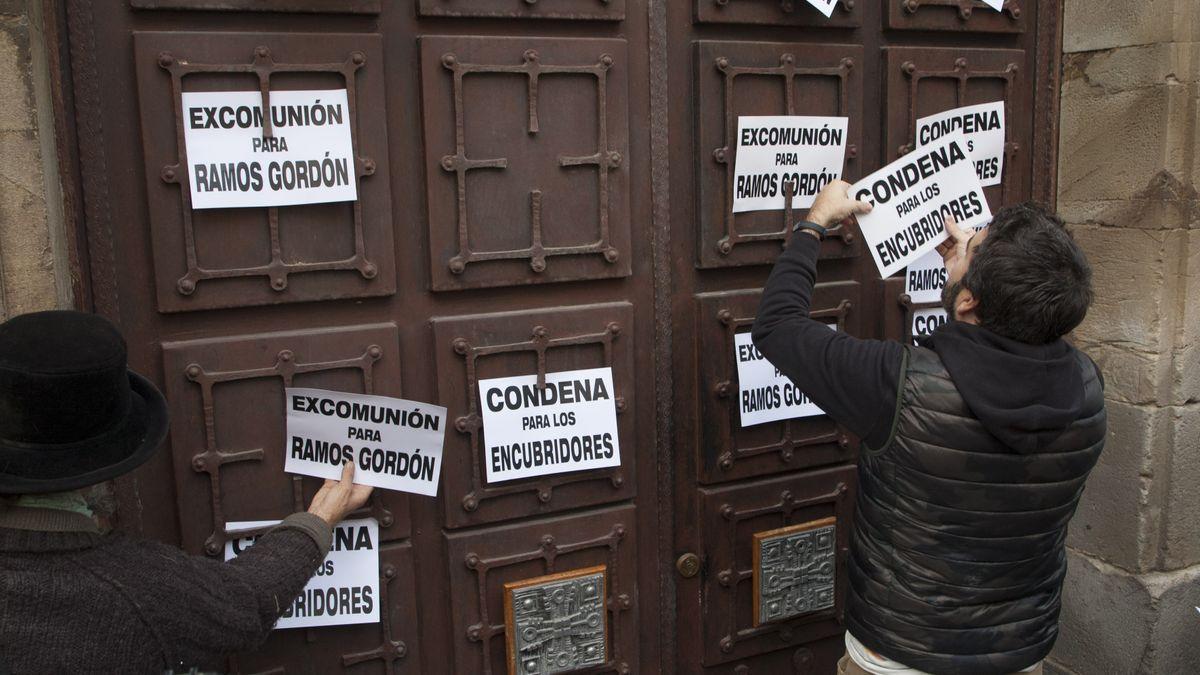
[[394, 443], [307, 159]]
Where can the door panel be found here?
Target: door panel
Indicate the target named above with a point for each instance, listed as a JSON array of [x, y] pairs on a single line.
[[329, 6], [525, 141], [777, 13], [923, 81], [754, 78], [731, 451], [482, 561], [218, 258], [958, 15], [731, 517], [485, 346], [607, 10]]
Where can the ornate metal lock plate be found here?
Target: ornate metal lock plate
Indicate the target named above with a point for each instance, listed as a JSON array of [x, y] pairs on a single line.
[[794, 570], [557, 623]]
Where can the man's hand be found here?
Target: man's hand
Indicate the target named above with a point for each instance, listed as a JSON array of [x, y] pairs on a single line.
[[336, 498], [834, 204], [954, 249]]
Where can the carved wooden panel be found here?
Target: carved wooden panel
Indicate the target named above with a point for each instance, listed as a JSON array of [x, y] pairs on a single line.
[[605, 10], [485, 346], [254, 256], [731, 517], [728, 450], [922, 81], [847, 14], [766, 78], [526, 153], [228, 428], [391, 646], [483, 561], [326, 6], [958, 15], [794, 570]]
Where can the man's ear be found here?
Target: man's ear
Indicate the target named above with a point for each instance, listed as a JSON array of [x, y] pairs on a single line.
[[965, 305]]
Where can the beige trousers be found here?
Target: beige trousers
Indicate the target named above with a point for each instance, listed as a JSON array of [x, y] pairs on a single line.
[[847, 666]]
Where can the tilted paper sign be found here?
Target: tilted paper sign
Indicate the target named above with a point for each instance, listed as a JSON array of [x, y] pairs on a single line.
[[925, 278], [344, 589], [925, 321], [764, 393], [807, 152], [568, 425], [395, 444], [913, 196], [308, 159], [997, 5], [983, 127], [826, 6]]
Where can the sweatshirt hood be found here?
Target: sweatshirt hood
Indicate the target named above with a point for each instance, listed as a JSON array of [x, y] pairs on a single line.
[[1025, 395]]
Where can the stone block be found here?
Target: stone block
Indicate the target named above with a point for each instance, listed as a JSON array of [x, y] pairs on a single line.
[[1186, 360], [1111, 146], [1119, 514], [1135, 377], [1128, 274], [26, 257], [16, 106], [1181, 538], [1089, 25], [1117, 623]]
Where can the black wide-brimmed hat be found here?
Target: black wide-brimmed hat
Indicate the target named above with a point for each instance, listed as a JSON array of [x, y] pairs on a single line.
[[72, 414]]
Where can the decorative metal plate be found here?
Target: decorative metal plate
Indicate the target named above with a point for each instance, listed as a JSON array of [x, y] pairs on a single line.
[[794, 570], [556, 623]]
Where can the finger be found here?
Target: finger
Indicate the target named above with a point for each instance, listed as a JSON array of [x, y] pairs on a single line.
[[347, 479], [957, 234], [860, 207]]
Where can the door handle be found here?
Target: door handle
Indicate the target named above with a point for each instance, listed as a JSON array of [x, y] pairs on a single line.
[[688, 565]]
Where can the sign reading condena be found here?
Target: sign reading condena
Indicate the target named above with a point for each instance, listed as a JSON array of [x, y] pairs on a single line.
[[764, 393], [913, 196], [394, 444], [925, 321], [807, 152], [570, 424], [308, 158], [345, 588], [983, 127]]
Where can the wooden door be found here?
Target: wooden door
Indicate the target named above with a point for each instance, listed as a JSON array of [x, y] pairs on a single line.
[[542, 186]]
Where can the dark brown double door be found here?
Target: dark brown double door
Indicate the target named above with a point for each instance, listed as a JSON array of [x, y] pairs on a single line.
[[543, 186]]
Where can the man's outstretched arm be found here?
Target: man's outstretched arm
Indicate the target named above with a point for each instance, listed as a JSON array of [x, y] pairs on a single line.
[[854, 381]]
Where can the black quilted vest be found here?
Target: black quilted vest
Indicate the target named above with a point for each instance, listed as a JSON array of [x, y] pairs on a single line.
[[957, 556]]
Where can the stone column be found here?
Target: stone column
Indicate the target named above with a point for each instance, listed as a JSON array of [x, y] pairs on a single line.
[[34, 268], [1128, 182]]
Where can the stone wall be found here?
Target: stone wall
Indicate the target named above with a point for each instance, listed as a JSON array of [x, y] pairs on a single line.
[[34, 271], [1128, 182]]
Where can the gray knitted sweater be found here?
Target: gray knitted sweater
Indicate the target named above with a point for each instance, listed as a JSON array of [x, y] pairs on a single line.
[[75, 601]]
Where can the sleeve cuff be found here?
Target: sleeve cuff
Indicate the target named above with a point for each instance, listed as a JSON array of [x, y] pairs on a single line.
[[804, 242], [312, 525]]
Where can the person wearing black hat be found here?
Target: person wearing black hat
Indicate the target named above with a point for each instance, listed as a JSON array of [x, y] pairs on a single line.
[[73, 600]]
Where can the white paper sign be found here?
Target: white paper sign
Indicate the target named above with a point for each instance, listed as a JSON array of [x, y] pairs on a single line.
[[925, 321], [983, 127], [345, 588], [925, 278], [772, 150], [308, 159], [997, 5], [568, 425], [394, 444], [826, 6], [913, 196], [764, 393]]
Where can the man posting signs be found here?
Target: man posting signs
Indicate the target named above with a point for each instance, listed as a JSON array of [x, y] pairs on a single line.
[[914, 196]]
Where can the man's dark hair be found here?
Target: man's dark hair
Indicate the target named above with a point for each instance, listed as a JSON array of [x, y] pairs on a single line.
[[1033, 283]]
